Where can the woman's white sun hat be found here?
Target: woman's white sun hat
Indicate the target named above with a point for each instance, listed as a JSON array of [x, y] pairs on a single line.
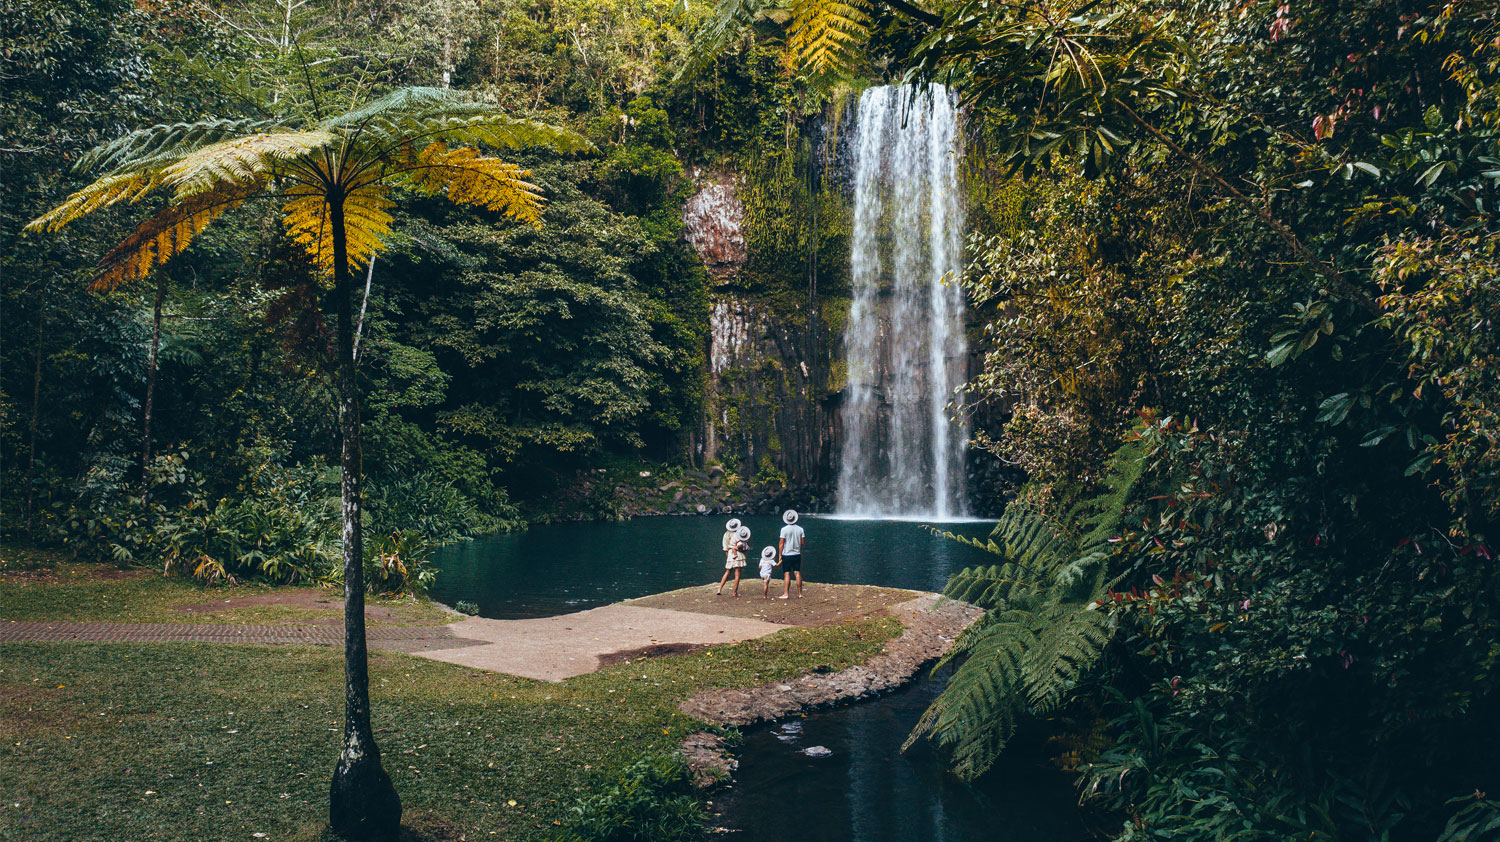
[[789, 517], [744, 533], [768, 553], [732, 525]]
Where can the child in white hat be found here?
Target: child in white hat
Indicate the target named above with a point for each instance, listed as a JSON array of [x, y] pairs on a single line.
[[768, 562], [736, 541]]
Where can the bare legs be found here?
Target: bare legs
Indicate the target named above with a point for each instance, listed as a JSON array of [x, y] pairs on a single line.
[[725, 578], [787, 586]]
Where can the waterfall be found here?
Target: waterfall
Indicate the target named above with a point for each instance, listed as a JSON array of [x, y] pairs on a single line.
[[904, 343]]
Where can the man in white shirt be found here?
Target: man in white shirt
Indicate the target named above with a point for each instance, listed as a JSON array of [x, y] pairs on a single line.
[[793, 539]]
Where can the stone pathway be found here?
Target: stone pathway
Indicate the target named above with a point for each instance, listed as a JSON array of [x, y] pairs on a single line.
[[548, 649], [554, 648]]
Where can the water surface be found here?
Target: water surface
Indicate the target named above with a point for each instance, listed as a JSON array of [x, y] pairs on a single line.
[[867, 790], [567, 567]]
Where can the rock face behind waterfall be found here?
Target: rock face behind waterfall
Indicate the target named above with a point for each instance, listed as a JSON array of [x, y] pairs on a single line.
[[713, 219], [766, 412]]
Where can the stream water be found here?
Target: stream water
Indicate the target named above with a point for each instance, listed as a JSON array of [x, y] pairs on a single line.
[[865, 789]]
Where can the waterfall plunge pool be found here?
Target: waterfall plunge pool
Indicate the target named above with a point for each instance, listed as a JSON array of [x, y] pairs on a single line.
[[866, 789], [566, 567]]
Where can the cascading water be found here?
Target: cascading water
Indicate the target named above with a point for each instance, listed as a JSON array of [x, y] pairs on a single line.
[[905, 344]]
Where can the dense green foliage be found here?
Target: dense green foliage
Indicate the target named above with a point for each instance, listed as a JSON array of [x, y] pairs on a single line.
[[1266, 232], [654, 799], [498, 360]]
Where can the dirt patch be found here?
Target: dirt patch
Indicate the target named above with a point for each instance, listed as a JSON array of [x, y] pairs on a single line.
[[820, 605], [658, 650]]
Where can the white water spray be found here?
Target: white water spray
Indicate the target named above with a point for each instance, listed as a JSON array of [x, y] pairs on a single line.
[[905, 343]]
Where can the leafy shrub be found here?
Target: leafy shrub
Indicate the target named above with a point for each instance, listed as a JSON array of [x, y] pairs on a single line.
[[653, 800], [463, 606], [428, 505], [398, 563]]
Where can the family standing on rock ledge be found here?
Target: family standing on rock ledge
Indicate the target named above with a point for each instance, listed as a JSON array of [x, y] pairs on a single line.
[[737, 540]]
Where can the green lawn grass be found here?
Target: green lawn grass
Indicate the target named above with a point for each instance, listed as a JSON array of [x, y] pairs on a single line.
[[40, 586], [220, 742]]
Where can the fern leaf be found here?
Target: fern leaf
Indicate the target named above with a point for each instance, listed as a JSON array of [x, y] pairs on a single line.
[[466, 177], [241, 160], [107, 191], [728, 22], [165, 141], [826, 34], [306, 217], [167, 235]]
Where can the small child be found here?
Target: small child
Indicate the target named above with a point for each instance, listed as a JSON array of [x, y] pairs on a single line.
[[767, 562]]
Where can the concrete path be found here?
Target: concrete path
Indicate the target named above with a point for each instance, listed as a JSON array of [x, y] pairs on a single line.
[[554, 648], [549, 649]]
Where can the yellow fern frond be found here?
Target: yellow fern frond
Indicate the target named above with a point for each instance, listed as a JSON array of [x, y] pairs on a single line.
[[241, 160], [826, 34], [101, 194], [464, 176], [366, 222], [167, 235]]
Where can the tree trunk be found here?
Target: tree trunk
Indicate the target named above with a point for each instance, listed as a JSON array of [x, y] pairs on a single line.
[[36, 410], [363, 803], [161, 293]]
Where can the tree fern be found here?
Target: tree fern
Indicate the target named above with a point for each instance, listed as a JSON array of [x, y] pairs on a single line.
[[420, 139], [334, 178], [1041, 630]]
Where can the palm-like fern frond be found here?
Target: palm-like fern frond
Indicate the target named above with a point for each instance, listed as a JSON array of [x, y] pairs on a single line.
[[1041, 630], [826, 34], [728, 21], [169, 140], [166, 235], [109, 190], [420, 139], [241, 160], [466, 177]]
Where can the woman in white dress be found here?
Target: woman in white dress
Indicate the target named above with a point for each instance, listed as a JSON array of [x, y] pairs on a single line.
[[736, 541]]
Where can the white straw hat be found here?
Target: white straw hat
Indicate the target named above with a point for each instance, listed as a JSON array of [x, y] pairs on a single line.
[[768, 553], [789, 516], [744, 533], [732, 525]]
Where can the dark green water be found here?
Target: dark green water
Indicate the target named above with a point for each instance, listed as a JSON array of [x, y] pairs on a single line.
[[562, 568], [865, 790]]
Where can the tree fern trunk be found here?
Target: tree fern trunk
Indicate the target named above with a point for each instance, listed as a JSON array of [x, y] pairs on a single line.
[[363, 804], [36, 410], [161, 293]]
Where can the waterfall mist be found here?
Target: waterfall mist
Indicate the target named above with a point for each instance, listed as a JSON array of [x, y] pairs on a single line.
[[905, 344]]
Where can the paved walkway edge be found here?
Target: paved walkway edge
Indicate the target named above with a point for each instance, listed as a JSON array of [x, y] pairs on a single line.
[[932, 625]]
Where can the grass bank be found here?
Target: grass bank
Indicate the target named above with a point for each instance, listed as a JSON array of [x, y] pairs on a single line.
[[37, 585], [203, 741]]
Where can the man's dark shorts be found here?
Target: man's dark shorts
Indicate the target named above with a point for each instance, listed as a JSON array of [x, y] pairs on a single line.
[[791, 563]]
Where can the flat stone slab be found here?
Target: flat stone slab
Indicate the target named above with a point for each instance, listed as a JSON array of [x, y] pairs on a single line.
[[555, 648]]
